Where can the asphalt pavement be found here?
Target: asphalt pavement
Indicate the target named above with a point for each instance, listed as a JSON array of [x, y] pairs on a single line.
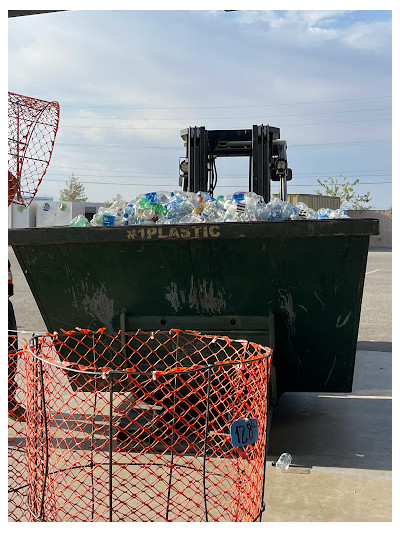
[[375, 332]]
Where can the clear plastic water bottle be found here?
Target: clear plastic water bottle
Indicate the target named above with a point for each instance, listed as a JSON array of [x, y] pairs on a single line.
[[230, 208], [97, 219], [263, 211], [129, 210], [339, 213], [163, 197], [213, 211], [204, 197], [289, 211], [238, 196], [283, 462], [118, 206], [191, 218], [306, 212]]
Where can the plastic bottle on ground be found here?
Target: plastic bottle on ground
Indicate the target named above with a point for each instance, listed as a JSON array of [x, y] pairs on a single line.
[[283, 462]]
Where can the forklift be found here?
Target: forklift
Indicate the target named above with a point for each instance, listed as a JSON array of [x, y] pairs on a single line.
[[267, 155]]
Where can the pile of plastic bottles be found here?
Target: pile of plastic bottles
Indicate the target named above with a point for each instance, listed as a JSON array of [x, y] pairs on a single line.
[[181, 207]]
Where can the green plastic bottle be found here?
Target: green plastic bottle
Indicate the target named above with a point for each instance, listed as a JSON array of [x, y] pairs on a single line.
[[79, 222]]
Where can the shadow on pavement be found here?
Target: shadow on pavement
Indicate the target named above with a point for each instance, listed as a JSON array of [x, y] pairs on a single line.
[[333, 430], [374, 346]]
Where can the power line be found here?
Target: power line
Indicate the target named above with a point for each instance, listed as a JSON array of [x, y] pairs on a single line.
[[167, 174], [162, 148], [233, 118], [347, 171], [281, 126], [346, 143], [360, 183], [101, 170], [68, 169], [111, 106], [292, 146], [123, 146], [168, 185], [300, 175]]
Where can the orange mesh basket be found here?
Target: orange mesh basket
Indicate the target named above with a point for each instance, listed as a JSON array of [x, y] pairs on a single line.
[[18, 510], [145, 426], [32, 129]]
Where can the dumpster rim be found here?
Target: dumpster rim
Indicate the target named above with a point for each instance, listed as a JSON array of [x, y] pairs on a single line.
[[282, 229]]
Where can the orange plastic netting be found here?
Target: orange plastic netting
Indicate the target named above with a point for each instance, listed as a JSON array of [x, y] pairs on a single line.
[[17, 462], [32, 128], [163, 426]]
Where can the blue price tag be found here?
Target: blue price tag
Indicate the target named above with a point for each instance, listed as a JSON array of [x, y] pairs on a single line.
[[244, 432]]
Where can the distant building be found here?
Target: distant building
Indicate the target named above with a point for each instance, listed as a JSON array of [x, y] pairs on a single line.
[[41, 198], [315, 201], [44, 212]]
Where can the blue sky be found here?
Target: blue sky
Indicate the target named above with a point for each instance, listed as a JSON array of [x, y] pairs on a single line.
[[129, 81]]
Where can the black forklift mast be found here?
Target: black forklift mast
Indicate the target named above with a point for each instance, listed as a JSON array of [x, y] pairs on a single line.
[[266, 152]]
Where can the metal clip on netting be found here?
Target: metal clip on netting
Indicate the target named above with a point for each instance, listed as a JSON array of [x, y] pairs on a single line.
[[159, 426]]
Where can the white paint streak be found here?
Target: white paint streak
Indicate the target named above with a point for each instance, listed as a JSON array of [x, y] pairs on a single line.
[[100, 306], [319, 299], [172, 296], [210, 301], [288, 307], [201, 296], [305, 308], [344, 321], [372, 271], [330, 372]]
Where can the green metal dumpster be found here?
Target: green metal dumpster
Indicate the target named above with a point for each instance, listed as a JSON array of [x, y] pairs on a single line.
[[295, 286]]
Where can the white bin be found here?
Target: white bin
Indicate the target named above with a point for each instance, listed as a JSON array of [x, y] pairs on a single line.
[[50, 214], [21, 217]]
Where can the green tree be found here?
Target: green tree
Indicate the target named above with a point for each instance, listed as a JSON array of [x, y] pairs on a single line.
[[74, 190], [345, 190]]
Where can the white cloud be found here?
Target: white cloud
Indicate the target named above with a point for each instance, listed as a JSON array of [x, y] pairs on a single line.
[[312, 28], [374, 37]]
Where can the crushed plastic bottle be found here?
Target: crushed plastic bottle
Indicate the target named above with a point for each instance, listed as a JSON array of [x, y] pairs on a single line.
[[79, 222], [212, 211], [306, 212], [284, 462], [339, 213], [183, 207], [109, 216]]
